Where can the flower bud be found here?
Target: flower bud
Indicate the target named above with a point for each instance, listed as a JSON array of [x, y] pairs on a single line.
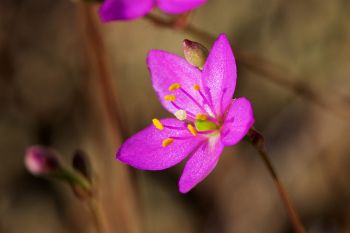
[[41, 160], [81, 163], [195, 53]]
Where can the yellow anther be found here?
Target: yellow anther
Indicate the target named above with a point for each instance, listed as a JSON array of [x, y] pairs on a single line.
[[191, 129], [202, 117], [196, 87], [174, 86], [170, 97], [166, 142], [157, 124]]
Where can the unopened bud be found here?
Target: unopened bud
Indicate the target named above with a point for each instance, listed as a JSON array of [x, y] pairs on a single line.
[[81, 163], [41, 160], [195, 53]]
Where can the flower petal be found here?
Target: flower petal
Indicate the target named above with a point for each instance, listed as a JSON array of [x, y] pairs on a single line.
[[167, 69], [202, 162], [124, 9], [238, 121], [219, 74], [144, 150], [179, 6]]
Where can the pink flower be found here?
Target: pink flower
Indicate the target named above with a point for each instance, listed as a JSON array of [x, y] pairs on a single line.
[[131, 9], [207, 117]]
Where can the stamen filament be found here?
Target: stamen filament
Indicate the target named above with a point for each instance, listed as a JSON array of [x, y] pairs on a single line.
[[182, 138], [222, 98], [205, 100], [193, 99], [175, 127]]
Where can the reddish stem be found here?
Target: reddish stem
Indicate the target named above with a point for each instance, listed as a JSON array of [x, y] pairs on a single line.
[[258, 142]]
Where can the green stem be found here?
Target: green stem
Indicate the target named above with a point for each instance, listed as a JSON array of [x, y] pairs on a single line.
[[258, 142]]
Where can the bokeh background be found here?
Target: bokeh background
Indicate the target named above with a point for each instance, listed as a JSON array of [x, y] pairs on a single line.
[[50, 94]]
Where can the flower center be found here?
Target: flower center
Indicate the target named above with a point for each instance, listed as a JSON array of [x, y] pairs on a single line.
[[204, 123]]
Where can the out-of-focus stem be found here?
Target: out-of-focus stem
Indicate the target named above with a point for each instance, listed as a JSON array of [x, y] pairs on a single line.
[[99, 67], [98, 59], [257, 141], [97, 214], [261, 66]]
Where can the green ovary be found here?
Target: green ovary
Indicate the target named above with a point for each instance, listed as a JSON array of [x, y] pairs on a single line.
[[205, 125]]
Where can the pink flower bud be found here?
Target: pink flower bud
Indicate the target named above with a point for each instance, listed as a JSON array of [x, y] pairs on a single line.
[[41, 160]]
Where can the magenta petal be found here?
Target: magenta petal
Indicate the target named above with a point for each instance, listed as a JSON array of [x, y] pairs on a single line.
[[167, 69], [238, 121], [219, 74], [144, 150], [124, 9], [202, 162], [179, 6]]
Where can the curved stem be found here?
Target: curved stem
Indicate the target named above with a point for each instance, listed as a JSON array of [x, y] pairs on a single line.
[[259, 65], [257, 141]]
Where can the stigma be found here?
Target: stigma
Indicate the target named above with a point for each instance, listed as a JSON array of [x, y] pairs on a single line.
[[181, 115]]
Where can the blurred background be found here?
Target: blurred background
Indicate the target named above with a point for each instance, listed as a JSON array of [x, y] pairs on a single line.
[[50, 94]]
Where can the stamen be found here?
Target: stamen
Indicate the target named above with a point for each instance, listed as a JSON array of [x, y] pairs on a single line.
[[174, 86], [182, 138], [180, 115], [175, 127], [191, 129], [166, 142], [205, 100], [170, 97], [196, 87], [202, 117], [193, 99], [157, 124]]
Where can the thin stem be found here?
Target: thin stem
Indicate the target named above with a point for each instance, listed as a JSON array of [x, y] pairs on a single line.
[[257, 141], [99, 220], [267, 69], [98, 65], [97, 56]]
